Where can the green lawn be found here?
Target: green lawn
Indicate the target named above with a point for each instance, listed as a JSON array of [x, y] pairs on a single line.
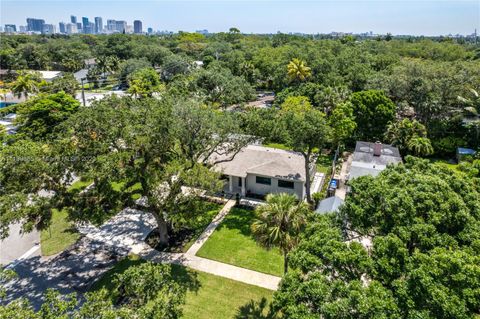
[[233, 243], [324, 164], [277, 145], [444, 163], [59, 236], [208, 296]]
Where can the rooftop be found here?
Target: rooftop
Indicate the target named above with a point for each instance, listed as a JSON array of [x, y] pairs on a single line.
[[365, 162], [330, 204], [266, 161]]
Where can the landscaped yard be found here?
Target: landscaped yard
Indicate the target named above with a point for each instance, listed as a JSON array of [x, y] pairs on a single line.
[[444, 163], [210, 297], [233, 243], [189, 228], [59, 236]]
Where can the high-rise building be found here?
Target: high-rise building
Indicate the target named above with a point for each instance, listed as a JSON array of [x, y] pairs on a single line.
[[10, 28], [35, 25], [48, 29], [121, 26], [73, 19], [98, 25], [71, 28], [91, 28], [62, 27], [22, 28], [85, 24], [79, 27], [111, 25], [150, 30], [137, 26]]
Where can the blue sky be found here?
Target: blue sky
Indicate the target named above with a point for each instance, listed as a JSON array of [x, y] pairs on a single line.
[[261, 16]]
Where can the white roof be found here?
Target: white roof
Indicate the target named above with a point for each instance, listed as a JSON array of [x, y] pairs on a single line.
[[49, 75], [330, 204], [265, 161]]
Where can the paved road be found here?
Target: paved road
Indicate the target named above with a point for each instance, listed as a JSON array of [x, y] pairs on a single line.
[[77, 268], [17, 245]]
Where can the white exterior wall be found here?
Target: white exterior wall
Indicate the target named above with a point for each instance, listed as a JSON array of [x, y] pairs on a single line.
[[262, 189]]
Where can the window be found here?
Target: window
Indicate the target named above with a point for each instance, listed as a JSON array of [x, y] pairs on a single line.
[[263, 180], [285, 184]]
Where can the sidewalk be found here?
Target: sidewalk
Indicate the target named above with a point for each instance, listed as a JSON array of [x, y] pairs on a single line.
[[210, 228], [215, 268]]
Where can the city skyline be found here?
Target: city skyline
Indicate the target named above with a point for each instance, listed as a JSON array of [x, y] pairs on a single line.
[[396, 17]]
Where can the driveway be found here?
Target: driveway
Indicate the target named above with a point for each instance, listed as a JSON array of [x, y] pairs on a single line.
[[75, 269], [18, 245]]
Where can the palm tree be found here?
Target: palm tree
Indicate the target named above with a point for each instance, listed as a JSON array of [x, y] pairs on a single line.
[[420, 146], [297, 70], [26, 83], [279, 223], [472, 104]]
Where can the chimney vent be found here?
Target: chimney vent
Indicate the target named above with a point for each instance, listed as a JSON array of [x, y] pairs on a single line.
[[377, 149]]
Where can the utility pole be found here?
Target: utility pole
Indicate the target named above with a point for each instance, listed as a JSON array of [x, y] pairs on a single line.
[[83, 92]]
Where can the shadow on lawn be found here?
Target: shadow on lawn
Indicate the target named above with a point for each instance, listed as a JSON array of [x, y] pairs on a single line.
[[255, 310], [240, 219]]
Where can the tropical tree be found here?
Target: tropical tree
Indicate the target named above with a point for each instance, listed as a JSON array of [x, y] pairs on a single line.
[[401, 133], [420, 146], [26, 84], [279, 223], [66, 83], [297, 70], [144, 82], [472, 104], [373, 111], [306, 132], [38, 117]]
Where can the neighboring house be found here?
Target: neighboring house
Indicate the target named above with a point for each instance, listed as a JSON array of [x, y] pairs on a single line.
[[329, 205], [372, 158], [259, 170], [49, 76]]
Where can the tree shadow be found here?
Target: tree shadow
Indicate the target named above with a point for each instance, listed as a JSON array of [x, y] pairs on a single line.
[[240, 219], [186, 277], [255, 310]]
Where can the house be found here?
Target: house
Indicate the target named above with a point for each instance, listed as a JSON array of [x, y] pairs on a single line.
[[260, 170], [329, 205], [49, 76], [372, 158]]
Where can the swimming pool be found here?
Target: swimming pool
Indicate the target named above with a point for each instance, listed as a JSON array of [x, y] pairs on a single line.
[[4, 104]]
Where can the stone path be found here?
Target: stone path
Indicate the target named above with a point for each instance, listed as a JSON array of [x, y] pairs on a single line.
[[215, 268], [210, 228], [342, 189]]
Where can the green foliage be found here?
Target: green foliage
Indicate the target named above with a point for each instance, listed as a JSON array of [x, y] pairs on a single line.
[[279, 223], [144, 82], [66, 83], [38, 117], [373, 111], [26, 83], [424, 260]]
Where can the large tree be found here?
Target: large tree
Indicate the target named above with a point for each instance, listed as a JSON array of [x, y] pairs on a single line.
[[306, 132], [373, 111], [26, 83], [423, 262]]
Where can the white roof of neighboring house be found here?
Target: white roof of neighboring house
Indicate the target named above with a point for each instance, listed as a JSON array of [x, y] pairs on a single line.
[[265, 161], [49, 75], [366, 163]]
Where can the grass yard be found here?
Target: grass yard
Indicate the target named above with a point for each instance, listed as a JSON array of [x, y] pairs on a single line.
[[233, 243], [208, 296], [59, 236], [444, 163], [278, 145]]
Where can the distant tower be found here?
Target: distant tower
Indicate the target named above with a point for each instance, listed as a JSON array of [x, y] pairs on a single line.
[[62, 27], [137, 26], [86, 25], [98, 25], [73, 19]]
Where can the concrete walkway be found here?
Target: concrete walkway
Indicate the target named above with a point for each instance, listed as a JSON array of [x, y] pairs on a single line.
[[342, 189], [210, 228], [215, 268]]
